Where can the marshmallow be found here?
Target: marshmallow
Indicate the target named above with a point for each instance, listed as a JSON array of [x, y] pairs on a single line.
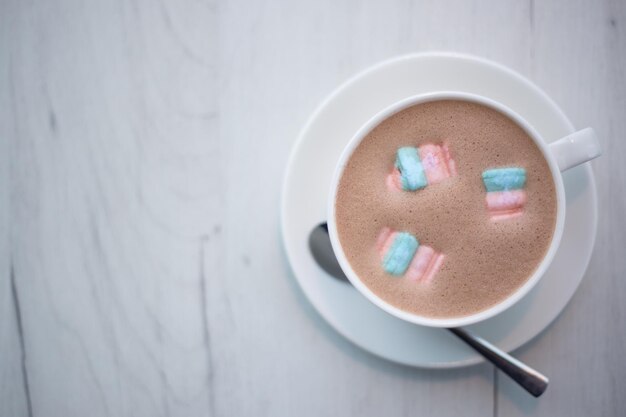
[[505, 195], [437, 162], [505, 204], [504, 179], [399, 253], [385, 239], [425, 265], [411, 170], [403, 255], [415, 168]]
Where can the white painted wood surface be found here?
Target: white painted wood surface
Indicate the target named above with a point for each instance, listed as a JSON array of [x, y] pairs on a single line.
[[142, 151]]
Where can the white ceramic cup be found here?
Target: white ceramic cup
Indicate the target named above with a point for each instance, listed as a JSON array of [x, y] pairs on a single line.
[[560, 155]]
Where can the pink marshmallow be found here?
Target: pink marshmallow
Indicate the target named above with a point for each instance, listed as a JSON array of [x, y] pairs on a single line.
[[385, 240], [504, 205], [425, 265], [450, 162], [437, 162], [394, 180], [507, 215]]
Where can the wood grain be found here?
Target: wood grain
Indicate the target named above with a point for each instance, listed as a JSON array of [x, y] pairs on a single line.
[[14, 397], [143, 146]]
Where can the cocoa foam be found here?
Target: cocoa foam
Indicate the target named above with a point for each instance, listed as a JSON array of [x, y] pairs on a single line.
[[485, 261]]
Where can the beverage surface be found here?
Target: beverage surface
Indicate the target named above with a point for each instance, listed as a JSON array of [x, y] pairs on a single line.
[[446, 208]]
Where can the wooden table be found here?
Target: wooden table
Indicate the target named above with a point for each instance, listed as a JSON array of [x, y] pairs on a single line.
[[143, 145]]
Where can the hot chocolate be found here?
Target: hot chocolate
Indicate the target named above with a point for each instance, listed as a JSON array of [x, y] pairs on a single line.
[[445, 208]]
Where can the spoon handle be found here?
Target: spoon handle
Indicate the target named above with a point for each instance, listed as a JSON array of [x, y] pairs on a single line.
[[531, 380]]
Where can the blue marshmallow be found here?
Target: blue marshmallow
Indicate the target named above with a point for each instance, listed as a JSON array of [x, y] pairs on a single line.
[[504, 179], [411, 170], [400, 254]]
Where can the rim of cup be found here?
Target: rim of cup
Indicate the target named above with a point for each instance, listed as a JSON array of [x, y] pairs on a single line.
[[513, 297]]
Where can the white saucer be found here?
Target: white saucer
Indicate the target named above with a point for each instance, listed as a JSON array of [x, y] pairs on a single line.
[[307, 184]]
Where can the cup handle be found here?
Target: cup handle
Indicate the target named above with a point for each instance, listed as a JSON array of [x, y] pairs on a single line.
[[574, 149]]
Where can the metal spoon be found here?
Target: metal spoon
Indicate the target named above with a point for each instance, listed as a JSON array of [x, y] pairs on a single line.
[[531, 380]]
